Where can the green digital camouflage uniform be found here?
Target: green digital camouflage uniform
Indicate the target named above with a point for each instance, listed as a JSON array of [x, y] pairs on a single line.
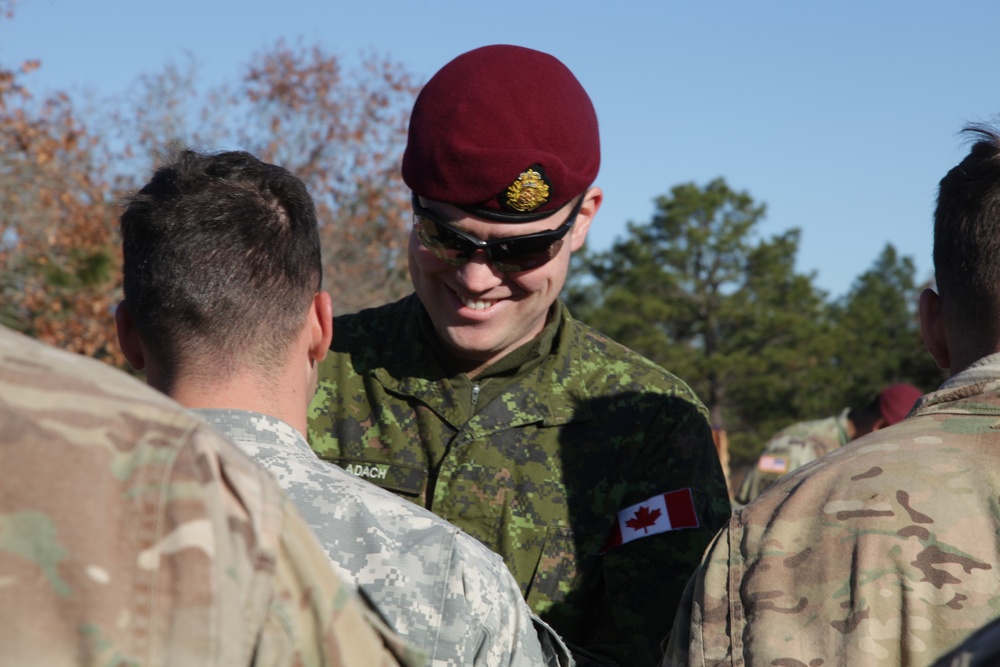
[[790, 449], [132, 534], [535, 460], [883, 552]]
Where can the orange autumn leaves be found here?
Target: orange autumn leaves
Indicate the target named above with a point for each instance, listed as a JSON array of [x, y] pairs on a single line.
[[64, 173]]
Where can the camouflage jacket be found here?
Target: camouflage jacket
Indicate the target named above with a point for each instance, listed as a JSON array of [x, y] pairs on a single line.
[[538, 473], [791, 448], [441, 590], [883, 552], [131, 534]]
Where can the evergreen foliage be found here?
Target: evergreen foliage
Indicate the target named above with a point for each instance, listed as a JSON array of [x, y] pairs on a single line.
[[698, 290]]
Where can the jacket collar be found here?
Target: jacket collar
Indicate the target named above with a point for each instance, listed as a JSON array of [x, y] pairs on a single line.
[[410, 366]]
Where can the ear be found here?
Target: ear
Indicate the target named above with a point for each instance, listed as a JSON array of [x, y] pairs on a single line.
[[592, 201], [932, 327], [320, 321], [128, 337]]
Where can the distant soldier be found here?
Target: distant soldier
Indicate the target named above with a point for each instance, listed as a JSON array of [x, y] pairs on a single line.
[[798, 444], [132, 534], [590, 469], [223, 308], [884, 551]]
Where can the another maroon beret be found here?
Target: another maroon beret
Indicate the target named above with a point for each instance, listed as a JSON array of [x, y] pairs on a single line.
[[503, 132], [895, 402]]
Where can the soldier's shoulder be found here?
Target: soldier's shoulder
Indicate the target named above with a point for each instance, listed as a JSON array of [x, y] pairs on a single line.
[[50, 386], [605, 364], [77, 429], [370, 325], [908, 456], [799, 434], [33, 365]]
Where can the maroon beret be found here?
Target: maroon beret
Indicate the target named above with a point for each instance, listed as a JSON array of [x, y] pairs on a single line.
[[895, 402], [503, 132]]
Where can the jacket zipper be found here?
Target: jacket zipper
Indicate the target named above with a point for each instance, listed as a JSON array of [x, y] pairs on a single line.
[[475, 395]]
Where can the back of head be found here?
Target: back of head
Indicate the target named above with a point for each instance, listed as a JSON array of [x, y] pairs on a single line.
[[503, 132], [221, 258], [967, 239]]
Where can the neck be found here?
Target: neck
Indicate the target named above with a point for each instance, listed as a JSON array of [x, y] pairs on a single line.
[[285, 396]]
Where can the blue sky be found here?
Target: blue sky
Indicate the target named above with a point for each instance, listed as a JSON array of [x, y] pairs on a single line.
[[840, 116]]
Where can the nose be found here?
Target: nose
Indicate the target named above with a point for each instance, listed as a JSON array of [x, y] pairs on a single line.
[[478, 275]]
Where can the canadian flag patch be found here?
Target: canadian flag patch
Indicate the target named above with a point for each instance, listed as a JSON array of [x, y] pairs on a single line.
[[659, 514]]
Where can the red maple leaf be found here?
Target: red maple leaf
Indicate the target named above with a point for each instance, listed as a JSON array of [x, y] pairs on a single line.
[[643, 519]]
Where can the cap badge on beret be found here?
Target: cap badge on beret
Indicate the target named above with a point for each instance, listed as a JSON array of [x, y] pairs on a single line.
[[529, 191]]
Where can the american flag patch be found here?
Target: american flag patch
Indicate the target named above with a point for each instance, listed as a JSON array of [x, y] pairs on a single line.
[[773, 464]]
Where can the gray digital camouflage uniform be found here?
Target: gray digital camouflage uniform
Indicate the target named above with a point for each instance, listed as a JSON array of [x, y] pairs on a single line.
[[535, 459], [791, 448], [441, 590], [883, 552], [131, 534]]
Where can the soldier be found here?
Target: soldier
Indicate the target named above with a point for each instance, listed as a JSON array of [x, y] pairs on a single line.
[[589, 468], [884, 551], [132, 534], [223, 308], [796, 445]]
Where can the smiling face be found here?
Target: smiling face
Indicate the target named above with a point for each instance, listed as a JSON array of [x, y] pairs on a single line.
[[478, 312]]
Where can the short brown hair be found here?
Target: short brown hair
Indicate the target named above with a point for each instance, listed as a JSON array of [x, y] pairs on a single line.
[[221, 259], [967, 236]]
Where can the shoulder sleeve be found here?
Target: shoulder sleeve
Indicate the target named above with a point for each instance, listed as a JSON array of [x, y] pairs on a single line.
[[704, 622], [645, 578], [306, 613], [506, 633], [331, 625]]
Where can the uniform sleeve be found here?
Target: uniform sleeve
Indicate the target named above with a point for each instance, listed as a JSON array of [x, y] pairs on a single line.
[[303, 611], [511, 634], [703, 625], [644, 579], [749, 488], [314, 618], [757, 479]]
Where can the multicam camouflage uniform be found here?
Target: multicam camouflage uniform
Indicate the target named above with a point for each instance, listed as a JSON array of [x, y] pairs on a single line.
[[790, 449], [884, 552], [535, 459], [440, 589], [131, 534]]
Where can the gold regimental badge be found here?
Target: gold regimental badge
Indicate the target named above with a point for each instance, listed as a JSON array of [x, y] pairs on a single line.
[[528, 192]]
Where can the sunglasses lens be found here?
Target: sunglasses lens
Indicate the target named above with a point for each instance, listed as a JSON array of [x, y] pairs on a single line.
[[524, 254], [519, 253], [442, 242]]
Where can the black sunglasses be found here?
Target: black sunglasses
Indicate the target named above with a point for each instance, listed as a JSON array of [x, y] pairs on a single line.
[[507, 255]]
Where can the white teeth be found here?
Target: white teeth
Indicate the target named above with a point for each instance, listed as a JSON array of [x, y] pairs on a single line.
[[476, 304]]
